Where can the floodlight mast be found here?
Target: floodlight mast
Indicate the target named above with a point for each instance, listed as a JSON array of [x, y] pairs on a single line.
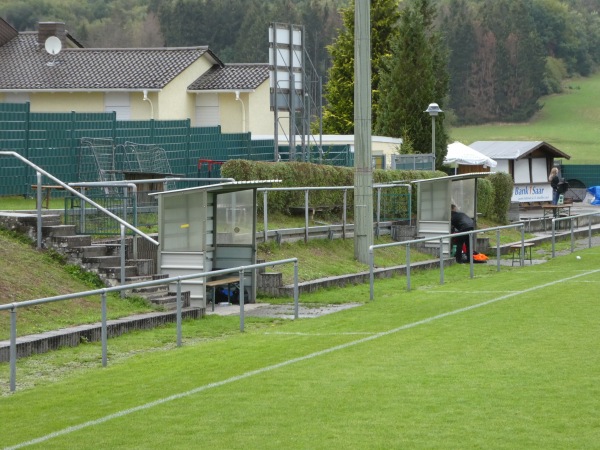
[[363, 170]]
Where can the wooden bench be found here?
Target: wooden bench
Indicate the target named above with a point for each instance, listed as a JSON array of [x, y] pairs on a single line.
[[516, 252], [46, 191], [221, 282]]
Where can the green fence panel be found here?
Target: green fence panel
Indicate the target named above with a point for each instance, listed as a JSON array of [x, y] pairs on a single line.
[[588, 175]]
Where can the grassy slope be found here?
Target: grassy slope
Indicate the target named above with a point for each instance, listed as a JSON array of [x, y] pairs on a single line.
[[28, 274], [568, 121]]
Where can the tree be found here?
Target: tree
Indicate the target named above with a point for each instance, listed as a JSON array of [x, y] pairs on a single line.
[[338, 117], [519, 68], [415, 74], [458, 23]]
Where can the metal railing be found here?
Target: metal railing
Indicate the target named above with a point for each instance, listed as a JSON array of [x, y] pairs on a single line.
[[572, 220], [13, 307], [40, 172], [307, 207], [441, 240]]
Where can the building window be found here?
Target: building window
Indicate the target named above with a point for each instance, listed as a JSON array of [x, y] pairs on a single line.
[[207, 110], [118, 102]]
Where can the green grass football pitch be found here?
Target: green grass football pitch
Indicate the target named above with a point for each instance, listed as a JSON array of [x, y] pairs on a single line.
[[503, 360]]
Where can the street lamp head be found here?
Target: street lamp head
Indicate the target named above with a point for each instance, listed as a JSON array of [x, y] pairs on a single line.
[[433, 109]]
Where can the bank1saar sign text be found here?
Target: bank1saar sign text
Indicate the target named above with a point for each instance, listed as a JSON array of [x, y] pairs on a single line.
[[532, 193]]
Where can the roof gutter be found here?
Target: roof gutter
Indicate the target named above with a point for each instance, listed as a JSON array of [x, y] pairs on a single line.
[[79, 90], [221, 91]]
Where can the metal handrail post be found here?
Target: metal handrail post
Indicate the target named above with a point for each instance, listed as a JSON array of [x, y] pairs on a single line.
[[553, 239], [104, 332], [441, 261], [13, 348], [39, 210], [265, 215], [572, 236], [408, 267], [296, 294], [179, 302], [82, 226], [522, 251], [378, 216], [123, 257], [344, 214], [371, 273], [498, 253], [306, 216], [135, 221], [242, 288], [471, 268]]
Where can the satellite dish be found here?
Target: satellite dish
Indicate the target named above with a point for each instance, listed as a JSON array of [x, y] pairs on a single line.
[[53, 45]]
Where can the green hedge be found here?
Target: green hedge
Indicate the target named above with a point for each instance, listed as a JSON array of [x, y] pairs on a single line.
[[485, 197], [300, 174], [502, 184]]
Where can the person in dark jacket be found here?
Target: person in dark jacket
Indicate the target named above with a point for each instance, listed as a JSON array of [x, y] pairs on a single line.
[[460, 223], [554, 180]]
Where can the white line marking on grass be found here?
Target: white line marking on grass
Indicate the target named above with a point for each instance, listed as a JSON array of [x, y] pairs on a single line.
[[468, 292], [252, 373], [322, 334]]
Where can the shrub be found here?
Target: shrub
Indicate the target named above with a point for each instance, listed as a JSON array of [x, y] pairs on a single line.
[[503, 187], [485, 197], [300, 174]]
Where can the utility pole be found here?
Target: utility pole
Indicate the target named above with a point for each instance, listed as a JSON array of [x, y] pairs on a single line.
[[363, 170]]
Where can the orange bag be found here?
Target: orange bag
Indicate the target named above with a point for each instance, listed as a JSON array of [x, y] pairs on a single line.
[[480, 257]]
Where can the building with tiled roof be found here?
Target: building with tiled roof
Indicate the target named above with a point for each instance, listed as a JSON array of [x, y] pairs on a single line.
[[137, 83]]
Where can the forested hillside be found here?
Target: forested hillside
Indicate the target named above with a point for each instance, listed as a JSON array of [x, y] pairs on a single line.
[[503, 54]]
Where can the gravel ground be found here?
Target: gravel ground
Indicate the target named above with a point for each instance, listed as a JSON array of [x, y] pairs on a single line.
[[280, 311]]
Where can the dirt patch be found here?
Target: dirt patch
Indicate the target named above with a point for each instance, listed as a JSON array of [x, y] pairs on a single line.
[[281, 311]]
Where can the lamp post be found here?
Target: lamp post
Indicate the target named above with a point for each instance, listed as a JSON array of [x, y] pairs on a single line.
[[433, 109]]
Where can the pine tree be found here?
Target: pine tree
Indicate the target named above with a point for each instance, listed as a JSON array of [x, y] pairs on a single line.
[[459, 32], [338, 117], [415, 75]]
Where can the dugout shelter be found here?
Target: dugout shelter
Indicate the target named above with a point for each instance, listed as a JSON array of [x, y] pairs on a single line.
[[207, 228]]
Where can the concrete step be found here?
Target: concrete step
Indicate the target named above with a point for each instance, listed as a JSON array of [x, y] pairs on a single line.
[[64, 242], [169, 300], [58, 230], [101, 262], [113, 248], [30, 219], [140, 278], [114, 273], [151, 290], [88, 252], [145, 266]]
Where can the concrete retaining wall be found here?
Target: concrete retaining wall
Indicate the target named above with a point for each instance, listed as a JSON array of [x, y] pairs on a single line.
[[72, 337]]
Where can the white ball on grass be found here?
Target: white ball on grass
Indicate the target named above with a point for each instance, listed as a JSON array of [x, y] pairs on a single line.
[[578, 257]]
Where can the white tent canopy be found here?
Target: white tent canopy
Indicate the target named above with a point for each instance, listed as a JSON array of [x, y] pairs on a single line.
[[459, 153]]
